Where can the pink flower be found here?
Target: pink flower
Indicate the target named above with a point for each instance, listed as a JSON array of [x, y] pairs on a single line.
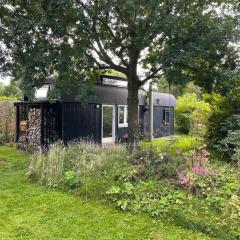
[[203, 171], [184, 180]]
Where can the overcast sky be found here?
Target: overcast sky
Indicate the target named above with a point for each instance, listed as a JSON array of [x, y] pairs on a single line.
[[5, 80]]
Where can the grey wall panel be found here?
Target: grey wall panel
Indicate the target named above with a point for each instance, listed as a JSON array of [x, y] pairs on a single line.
[[160, 129]]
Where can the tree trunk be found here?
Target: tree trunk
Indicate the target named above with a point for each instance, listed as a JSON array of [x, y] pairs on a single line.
[[133, 86]]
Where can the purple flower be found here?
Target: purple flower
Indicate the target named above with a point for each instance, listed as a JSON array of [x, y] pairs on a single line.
[[184, 179], [203, 171]]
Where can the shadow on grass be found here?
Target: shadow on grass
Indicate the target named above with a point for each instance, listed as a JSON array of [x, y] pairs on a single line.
[[200, 226]]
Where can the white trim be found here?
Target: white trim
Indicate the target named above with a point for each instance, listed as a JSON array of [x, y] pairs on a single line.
[[125, 114], [107, 140], [114, 82]]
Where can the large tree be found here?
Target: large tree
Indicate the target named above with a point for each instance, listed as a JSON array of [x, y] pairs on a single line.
[[37, 36], [142, 39], [181, 39]]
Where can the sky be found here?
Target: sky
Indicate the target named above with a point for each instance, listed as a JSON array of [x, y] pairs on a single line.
[[5, 80]]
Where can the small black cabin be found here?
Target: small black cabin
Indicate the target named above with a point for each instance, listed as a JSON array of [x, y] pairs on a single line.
[[103, 120]]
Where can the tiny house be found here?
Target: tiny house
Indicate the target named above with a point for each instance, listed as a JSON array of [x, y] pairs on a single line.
[[103, 119]]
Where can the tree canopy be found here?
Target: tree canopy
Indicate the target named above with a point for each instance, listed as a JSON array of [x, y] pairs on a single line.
[[70, 39]]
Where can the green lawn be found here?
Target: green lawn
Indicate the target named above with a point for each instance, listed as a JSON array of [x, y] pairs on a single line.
[[173, 143], [29, 211]]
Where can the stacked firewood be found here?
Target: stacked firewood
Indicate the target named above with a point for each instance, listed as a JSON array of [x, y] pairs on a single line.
[[34, 129], [31, 141]]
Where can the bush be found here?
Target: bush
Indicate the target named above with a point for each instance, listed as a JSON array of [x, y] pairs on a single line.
[[191, 114], [49, 169], [147, 196], [202, 189], [7, 122], [187, 187], [223, 127], [78, 164], [154, 164], [70, 180], [221, 111]]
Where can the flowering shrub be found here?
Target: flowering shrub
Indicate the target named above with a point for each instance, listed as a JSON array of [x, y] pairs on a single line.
[[200, 177], [149, 163], [187, 189]]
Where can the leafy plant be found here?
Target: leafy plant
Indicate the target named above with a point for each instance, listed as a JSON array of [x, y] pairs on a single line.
[[191, 114], [155, 164], [187, 186], [7, 122], [146, 196], [200, 177], [230, 139], [70, 180]]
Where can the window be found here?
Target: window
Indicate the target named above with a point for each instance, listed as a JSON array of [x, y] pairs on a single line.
[[42, 92], [166, 116], [122, 116]]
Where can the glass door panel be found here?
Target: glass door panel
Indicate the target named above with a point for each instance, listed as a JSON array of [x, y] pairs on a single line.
[[107, 122]]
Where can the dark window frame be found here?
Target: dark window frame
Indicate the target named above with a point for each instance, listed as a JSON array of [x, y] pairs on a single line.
[[166, 116]]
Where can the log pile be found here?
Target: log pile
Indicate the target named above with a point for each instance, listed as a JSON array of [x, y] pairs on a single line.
[[34, 129], [32, 140]]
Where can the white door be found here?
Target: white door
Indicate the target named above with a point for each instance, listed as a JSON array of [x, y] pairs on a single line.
[[108, 124]]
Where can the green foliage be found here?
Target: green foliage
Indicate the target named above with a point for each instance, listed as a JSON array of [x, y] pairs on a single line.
[[11, 90], [70, 180], [53, 52], [191, 114], [175, 144], [37, 213], [7, 121], [1, 89], [232, 139], [85, 163], [224, 122], [3, 98], [221, 110], [183, 41], [195, 37], [115, 73], [209, 190], [111, 173], [149, 197], [153, 163], [236, 156]]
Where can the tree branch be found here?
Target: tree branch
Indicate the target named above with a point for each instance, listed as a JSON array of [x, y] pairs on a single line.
[[107, 59], [152, 75], [103, 54], [100, 66]]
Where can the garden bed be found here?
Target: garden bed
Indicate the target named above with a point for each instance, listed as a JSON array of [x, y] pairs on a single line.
[[178, 182], [29, 211]]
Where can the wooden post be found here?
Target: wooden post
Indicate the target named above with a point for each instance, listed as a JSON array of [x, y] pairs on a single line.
[[150, 112], [17, 123]]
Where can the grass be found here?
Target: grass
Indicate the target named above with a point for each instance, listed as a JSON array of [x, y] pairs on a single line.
[[172, 144], [29, 211], [4, 98]]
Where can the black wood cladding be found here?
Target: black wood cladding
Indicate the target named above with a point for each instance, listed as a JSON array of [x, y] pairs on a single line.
[[81, 122], [69, 121]]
